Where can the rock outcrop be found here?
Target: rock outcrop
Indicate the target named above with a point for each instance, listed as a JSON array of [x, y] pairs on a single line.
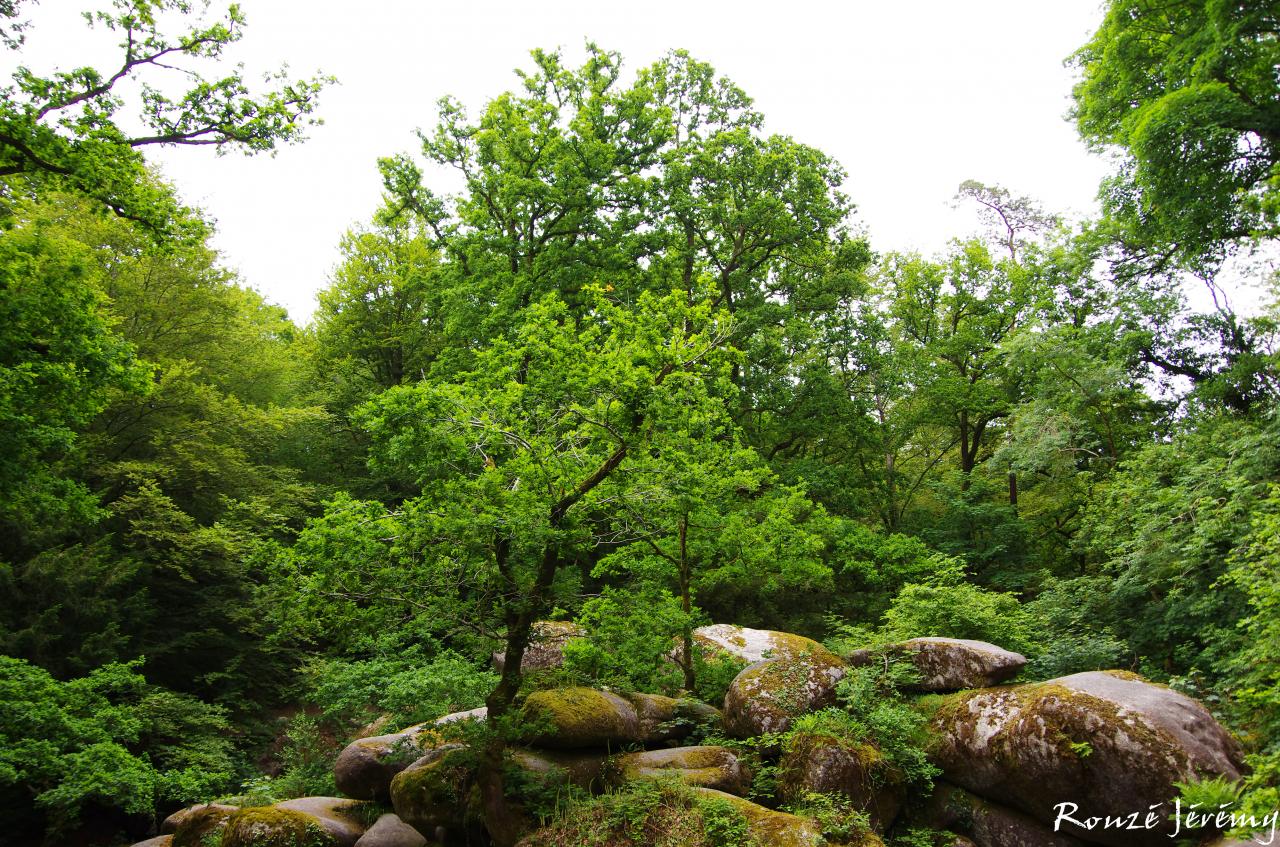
[[751, 645], [365, 767], [990, 824], [390, 831], [190, 825], [665, 719], [339, 816], [767, 696], [953, 664], [769, 828], [432, 791], [822, 763], [1109, 742], [304, 822], [546, 646], [574, 718], [704, 767]]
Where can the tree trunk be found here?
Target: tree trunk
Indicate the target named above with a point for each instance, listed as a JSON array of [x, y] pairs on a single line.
[[686, 605]]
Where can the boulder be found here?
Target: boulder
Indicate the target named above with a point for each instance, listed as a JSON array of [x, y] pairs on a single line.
[[572, 718], [158, 841], [339, 816], [952, 664], [190, 826], [553, 769], [1108, 741], [767, 696], [546, 646], [664, 719], [823, 763], [390, 831], [990, 824], [433, 791], [705, 767], [751, 645], [364, 768], [779, 829], [268, 826], [197, 820]]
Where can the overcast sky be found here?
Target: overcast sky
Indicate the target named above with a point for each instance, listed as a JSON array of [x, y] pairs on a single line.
[[912, 98]]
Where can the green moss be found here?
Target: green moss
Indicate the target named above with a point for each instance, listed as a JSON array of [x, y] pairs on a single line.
[[1048, 708], [434, 794], [200, 823], [642, 814], [580, 717], [266, 826]]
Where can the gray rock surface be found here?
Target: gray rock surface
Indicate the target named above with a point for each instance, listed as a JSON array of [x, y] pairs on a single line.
[[390, 831], [1109, 742], [767, 696]]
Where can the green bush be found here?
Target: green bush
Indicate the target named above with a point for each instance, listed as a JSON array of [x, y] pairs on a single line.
[[109, 739], [875, 711], [960, 610], [629, 642], [408, 685]]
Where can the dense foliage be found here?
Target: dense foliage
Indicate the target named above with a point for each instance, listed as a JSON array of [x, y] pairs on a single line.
[[643, 372]]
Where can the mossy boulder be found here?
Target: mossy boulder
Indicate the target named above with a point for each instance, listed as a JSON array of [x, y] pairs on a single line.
[[389, 831], [769, 828], [990, 824], [189, 826], [435, 791], [158, 841], [546, 646], [365, 767], [953, 664], [822, 763], [552, 769], [268, 826], [573, 718], [342, 818], [767, 696], [705, 767], [663, 719], [751, 645], [1109, 742]]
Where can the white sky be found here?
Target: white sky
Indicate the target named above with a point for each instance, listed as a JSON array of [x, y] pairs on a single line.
[[911, 97]]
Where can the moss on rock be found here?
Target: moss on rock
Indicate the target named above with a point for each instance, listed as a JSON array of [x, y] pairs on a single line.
[[768, 695], [267, 826], [856, 770], [569, 718], [435, 790], [190, 826], [705, 767], [1112, 744]]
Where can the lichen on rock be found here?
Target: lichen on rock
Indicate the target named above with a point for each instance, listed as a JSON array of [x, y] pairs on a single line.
[[1112, 744], [768, 695], [822, 763], [705, 767]]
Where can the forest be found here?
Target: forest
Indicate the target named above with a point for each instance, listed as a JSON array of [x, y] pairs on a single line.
[[642, 374]]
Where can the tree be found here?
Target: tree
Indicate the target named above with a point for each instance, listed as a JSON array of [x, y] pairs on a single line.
[[378, 320], [1186, 91], [60, 361], [523, 461], [64, 130]]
